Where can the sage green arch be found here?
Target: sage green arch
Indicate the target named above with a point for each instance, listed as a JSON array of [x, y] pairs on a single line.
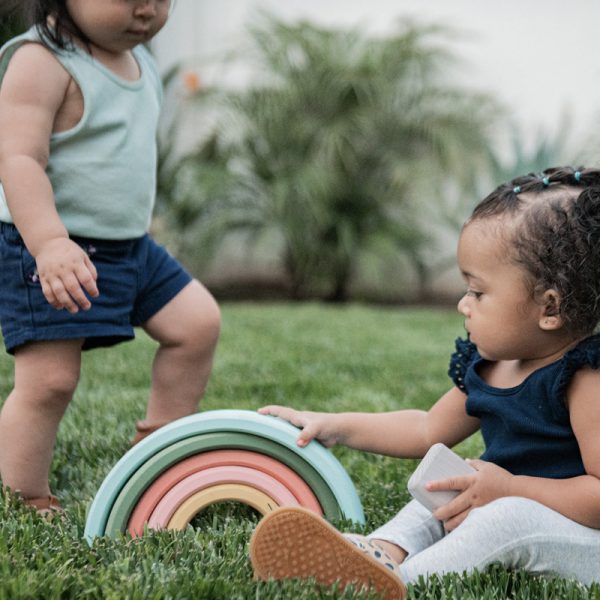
[[259, 426]]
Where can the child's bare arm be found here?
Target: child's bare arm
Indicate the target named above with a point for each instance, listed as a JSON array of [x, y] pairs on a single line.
[[32, 92], [404, 433]]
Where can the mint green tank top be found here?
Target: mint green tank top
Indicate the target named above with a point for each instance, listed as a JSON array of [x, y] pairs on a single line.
[[103, 170]]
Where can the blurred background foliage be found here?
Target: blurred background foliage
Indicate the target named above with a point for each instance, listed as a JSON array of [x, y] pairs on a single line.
[[11, 20], [353, 159], [331, 152], [342, 169]]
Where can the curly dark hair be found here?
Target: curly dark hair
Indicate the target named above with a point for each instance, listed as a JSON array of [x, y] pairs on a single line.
[[556, 237]]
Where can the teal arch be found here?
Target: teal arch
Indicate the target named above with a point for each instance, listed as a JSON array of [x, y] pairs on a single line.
[[242, 421]]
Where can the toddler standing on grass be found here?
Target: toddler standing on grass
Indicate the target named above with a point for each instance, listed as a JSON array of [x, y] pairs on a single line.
[[527, 376], [79, 104]]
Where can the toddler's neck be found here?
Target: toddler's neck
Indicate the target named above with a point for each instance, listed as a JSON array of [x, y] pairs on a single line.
[[511, 373]]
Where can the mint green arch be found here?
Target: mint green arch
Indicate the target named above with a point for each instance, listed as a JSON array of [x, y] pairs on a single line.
[[243, 421]]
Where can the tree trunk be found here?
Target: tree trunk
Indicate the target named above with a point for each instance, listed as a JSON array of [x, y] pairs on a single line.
[[341, 282]]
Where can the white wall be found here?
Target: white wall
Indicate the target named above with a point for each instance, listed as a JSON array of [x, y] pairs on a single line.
[[538, 57]]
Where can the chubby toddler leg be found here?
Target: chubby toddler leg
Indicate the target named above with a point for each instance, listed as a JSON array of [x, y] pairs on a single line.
[[519, 534], [46, 375], [187, 329], [412, 530]]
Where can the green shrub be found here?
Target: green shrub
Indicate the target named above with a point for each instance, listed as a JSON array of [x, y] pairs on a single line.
[[328, 149]]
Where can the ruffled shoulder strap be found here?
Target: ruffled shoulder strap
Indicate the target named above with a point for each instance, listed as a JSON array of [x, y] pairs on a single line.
[[585, 354], [461, 359]]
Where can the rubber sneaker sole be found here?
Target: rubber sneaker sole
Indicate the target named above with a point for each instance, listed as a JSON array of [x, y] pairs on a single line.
[[295, 543]]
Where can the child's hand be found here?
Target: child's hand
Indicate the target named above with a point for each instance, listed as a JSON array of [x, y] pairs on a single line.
[[489, 483], [314, 425], [65, 271]]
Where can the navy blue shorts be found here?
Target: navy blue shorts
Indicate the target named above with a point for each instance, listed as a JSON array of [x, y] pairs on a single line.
[[136, 278]]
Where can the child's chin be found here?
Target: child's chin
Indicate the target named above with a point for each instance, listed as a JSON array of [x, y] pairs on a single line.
[[482, 352]]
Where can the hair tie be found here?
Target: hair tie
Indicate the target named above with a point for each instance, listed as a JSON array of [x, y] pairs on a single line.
[[546, 181], [577, 176], [517, 189]]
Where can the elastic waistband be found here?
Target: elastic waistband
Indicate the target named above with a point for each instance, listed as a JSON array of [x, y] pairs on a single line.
[[11, 233]]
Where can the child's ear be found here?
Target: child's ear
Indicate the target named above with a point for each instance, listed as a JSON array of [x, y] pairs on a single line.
[[550, 318]]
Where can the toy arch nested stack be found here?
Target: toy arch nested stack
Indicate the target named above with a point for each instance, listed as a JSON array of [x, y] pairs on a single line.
[[216, 456]]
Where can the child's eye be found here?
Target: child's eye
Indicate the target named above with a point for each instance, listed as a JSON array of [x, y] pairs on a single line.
[[474, 294]]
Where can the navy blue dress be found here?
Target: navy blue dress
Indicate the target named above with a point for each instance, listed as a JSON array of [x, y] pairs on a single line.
[[526, 428]]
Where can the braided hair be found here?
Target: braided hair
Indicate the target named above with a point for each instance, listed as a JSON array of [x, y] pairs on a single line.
[[555, 237]]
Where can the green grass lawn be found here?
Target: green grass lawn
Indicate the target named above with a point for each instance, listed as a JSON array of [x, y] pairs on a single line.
[[309, 356]]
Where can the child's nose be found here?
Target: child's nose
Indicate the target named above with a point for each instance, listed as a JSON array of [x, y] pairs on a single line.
[[145, 8], [463, 306]]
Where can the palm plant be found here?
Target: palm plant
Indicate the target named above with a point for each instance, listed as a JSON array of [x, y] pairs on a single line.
[[525, 153], [329, 149]]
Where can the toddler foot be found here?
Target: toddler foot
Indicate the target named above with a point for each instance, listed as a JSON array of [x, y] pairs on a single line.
[[47, 507], [143, 429], [374, 550], [294, 543]]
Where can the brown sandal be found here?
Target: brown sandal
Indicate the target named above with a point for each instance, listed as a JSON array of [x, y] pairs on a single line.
[[295, 543], [47, 507], [144, 429]]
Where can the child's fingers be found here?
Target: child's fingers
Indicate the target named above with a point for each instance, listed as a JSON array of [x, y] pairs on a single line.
[[283, 412], [459, 483], [49, 295], [91, 267], [87, 278], [268, 410], [74, 289], [274, 410], [477, 463], [306, 436], [66, 293], [66, 274], [296, 418], [63, 297], [449, 512], [454, 521]]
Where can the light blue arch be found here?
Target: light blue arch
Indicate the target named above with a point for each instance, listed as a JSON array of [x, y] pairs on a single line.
[[244, 421]]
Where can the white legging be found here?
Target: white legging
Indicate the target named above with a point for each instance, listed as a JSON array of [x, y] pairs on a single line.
[[516, 532]]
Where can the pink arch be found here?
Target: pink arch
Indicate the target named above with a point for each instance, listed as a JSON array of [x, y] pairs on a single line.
[[213, 476], [219, 458]]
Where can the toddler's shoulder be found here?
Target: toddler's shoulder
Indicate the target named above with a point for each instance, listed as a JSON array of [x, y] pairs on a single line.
[[33, 70], [585, 354], [33, 58], [582, 362]]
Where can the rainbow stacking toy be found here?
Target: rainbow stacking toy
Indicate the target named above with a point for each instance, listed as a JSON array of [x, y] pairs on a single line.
[[214, 456]]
